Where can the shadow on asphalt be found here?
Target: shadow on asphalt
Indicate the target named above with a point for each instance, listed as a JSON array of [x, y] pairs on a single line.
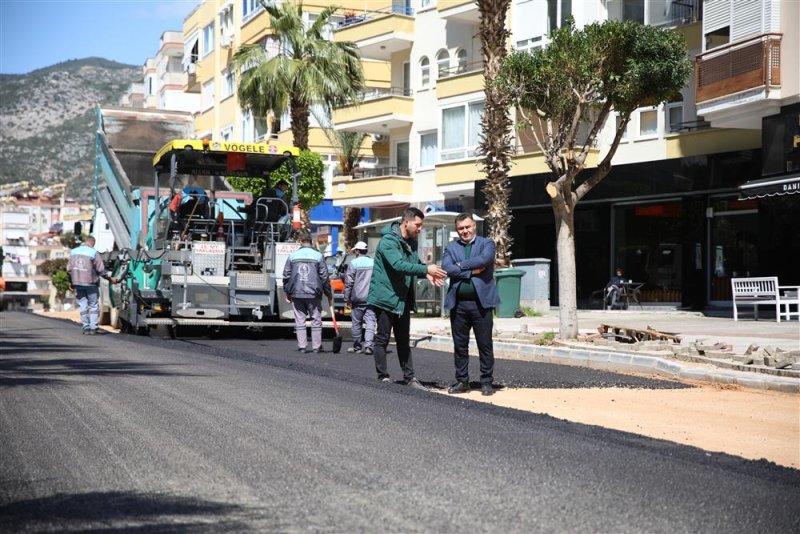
[[30, 372], [118, 511]]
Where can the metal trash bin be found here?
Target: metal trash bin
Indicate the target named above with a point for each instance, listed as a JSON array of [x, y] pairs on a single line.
[[535, 290], [508, 287]]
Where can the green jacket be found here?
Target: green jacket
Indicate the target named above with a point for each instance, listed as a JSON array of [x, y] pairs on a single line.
[[393, 275]]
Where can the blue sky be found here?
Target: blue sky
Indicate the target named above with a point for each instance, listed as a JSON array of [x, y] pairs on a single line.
[[40, 33]]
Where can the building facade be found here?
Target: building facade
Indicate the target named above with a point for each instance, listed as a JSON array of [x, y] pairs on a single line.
[[691, 200], [212, 33]]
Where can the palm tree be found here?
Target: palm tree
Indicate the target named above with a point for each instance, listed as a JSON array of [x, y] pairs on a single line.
[[348, 152], [495, 145], [309, 70]]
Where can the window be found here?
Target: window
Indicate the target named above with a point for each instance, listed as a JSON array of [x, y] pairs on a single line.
[[226, 26], [425, 4], [460, 129], [401, 158], [208, 39], [226, 134], [674, 116], [228, 84], [558, 11], [250, 8], [427, 149], [260, 128], [627, 127], [208, 94], [648, 123], [425, 71], [442, 63], [327, 30], [461, 57]]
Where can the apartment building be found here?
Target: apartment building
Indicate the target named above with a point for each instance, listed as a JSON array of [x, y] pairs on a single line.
[[677, 210], [28, 222], [212, 33], [164, 79]]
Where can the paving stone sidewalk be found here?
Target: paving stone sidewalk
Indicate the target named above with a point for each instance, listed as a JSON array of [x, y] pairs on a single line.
[[760, 354]]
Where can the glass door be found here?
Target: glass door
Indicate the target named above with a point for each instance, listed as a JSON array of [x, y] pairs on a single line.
[[734, 244], [401, 158]]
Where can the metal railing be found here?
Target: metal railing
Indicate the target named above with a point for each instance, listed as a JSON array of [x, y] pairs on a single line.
[[739, 66], [475, 66], [378, 172], [394, 9], [681, 13], [382, 92]]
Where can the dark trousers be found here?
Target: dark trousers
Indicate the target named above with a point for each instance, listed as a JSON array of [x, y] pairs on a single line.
[[466, 315], [401, 324]]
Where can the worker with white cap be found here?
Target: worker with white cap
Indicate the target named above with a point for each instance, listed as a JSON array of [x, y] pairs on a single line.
[[356, 288]]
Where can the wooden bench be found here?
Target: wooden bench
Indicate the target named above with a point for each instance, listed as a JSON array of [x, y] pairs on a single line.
[[764, 290]]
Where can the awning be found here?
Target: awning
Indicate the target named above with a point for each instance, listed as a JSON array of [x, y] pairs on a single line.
[[770, 187]]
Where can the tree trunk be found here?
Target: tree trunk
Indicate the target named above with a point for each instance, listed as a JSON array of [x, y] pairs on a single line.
[[565, 252], [299, 111], [495, 144], [352, 216]]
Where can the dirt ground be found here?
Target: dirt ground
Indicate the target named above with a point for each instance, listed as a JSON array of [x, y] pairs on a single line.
[[740, 421]]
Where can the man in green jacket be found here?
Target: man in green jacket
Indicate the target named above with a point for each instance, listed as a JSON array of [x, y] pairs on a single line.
[[391, 291]]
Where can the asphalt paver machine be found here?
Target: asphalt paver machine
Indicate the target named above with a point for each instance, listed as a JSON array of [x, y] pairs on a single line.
[[200, 253]]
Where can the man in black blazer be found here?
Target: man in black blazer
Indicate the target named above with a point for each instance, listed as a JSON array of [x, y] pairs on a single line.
[[471, 299]]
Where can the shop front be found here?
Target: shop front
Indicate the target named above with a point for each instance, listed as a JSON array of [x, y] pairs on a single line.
[[678, 227]]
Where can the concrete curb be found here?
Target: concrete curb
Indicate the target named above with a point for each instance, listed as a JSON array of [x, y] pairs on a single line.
[[620, 362]]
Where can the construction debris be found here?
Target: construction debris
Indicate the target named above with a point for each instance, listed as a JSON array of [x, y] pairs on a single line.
[[629, 334]]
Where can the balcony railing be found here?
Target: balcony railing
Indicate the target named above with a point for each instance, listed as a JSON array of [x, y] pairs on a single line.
[[736, 67], [475, 66], [375, 93], [377, 172], [679, 13], [394, 9]]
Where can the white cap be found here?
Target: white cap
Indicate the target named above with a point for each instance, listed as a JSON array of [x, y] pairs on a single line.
[[360, 246]]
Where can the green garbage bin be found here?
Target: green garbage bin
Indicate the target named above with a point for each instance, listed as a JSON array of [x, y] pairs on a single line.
[[509, 282]]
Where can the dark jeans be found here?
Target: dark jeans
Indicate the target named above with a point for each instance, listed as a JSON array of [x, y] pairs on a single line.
[[401, 324], [466, 315]]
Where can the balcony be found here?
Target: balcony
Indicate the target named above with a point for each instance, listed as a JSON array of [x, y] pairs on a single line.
[[460, 80], [459, 10], [673, 14], [379, 111], [382, 186], [739, 83], [379, 33]]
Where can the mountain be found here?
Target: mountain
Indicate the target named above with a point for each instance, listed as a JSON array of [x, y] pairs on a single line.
[[48, 119]]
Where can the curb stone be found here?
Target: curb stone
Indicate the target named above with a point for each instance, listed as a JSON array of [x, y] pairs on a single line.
[[624, 362]]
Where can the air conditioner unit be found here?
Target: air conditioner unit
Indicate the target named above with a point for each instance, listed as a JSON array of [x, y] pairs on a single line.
[[191, 68], [378, 138], [227, 41]]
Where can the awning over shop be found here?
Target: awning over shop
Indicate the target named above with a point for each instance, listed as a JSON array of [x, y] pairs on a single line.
[[769, 187]]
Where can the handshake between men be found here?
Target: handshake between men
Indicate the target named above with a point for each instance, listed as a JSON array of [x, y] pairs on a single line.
[[436, 275]]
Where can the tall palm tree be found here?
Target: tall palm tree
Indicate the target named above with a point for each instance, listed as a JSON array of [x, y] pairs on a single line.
[[309, 69], [496, 147]]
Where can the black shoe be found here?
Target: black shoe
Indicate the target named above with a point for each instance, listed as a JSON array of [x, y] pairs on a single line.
[[301, 349], [458, 387], [487, 389]]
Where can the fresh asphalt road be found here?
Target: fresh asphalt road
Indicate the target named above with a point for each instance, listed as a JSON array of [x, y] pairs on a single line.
[[124, 433]]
